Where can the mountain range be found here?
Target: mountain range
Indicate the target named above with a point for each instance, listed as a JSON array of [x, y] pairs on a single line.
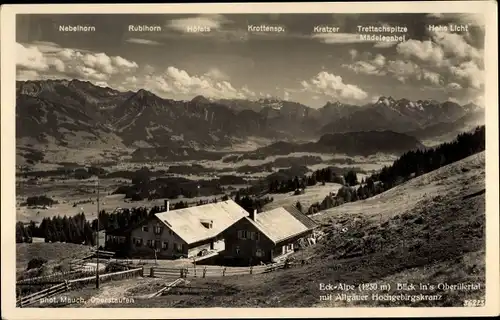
[[76, 114], [351, 143]]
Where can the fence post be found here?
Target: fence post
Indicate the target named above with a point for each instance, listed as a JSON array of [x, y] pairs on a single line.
[[204, 271], [152, 272], [223, 272], [182, 273], [251, 269], [142, 272]]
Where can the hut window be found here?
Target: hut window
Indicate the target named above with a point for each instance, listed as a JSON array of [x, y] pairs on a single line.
[[158, 229], [259, 253], [242, 234], [138, 241]]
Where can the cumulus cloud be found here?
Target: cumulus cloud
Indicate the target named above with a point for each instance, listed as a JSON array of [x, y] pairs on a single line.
[[48, 60], [30, 58], [425, 51], [364, 67], [353, 53], [24, 75], [332, 38], [464, 96], [340, 38], [333, 86], [286, 96], [454, 86], [432, 77], [371, 67], [385, 44], [447, 53], [216, 73], [479, 100], [51, 61], [143, 41], [454, 45], [469, 73], [103, 84], [403, 70], [179, 84], [445, 61]]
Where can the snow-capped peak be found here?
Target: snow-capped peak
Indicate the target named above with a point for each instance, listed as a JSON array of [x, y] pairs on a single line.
[[274, 103], [388, 101]]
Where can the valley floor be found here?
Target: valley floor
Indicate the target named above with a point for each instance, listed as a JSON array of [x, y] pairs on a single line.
[[75, 196]]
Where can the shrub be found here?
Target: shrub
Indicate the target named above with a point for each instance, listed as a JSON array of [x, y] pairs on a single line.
[[36, 263], [40, 201], [136, 197], [115, 267], [418, 220], [60, 268]]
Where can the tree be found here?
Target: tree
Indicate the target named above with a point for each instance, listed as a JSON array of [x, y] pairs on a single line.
[[19, 232], [141, 177], [361, 193], [327, 203], [351, 178], [298, 205]]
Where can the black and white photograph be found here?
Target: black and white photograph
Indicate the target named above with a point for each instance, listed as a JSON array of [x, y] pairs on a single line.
[[250, 160]]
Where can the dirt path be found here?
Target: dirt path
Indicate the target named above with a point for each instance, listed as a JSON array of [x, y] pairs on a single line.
[[113, 294]]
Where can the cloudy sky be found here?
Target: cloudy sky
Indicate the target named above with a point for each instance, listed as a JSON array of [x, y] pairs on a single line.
[[231, 62]]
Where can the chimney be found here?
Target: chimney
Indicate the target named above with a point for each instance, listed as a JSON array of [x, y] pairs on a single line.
[[253, 214]]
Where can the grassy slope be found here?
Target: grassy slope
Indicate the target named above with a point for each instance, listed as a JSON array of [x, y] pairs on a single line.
[[311, 195], [53, 252], [422, 231]]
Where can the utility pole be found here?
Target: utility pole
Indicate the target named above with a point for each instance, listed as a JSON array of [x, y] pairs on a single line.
[[97, 240], [194, 263]]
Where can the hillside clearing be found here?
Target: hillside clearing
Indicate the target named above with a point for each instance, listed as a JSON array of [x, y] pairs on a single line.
[[311, 195], [463, 177], [53, 252]]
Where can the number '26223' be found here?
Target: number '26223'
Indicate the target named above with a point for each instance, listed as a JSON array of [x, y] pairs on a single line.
[[474, 303]]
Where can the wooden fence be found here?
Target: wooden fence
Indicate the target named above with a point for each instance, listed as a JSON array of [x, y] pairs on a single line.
[[46, 293], [57, 277], [68, 284], [214, 271], [80, 265], [102, 255], [109, 276], [167, 287]]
